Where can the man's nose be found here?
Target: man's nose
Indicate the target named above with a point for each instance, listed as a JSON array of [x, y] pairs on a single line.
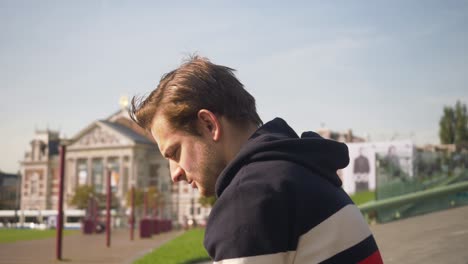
[[177, 173]]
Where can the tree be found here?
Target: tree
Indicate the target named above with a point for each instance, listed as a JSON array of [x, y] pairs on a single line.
[[453, 126], [84, 192], [138, 200], [154, 197], [461, 128], [81, 197]]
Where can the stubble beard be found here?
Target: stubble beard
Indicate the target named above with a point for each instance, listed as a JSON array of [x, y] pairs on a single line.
[[212, 166]]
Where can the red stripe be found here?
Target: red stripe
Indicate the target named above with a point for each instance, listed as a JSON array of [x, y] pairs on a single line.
[[375, 258]]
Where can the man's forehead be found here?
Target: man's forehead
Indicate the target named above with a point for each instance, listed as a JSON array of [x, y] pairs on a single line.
[[161, 130]]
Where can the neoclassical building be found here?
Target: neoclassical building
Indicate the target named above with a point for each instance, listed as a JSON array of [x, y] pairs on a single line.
[[114, 144]]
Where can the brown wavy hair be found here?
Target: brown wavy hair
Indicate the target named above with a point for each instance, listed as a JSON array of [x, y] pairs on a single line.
[[197, 84]]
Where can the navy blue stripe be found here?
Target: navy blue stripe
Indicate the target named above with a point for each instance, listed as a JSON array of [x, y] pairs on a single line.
[[267, 207], [356, 253]]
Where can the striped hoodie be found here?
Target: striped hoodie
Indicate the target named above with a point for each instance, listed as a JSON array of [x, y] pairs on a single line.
[[280, 201]]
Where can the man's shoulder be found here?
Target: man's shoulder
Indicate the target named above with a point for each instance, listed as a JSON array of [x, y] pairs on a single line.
[[281, 175], [266, 182], [274, 170]]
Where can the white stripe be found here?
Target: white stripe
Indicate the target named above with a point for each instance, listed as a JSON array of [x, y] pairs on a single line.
[[280, 258], [337, 233]]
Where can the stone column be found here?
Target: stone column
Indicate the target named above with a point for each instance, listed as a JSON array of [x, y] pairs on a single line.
[[134, 169], [105, 164], [120, 185], [130, 172], [71, 176], [89, 179]]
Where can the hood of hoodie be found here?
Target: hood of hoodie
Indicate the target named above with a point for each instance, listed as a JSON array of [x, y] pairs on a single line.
[[275, 140]]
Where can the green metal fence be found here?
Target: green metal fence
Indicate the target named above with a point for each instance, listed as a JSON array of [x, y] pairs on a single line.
[[431, 185], [433, 199]]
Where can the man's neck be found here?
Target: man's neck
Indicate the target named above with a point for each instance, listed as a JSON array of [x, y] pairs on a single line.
[[236, 138]]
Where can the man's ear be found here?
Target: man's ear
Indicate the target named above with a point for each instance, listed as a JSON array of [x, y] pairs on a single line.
[[209, 123]]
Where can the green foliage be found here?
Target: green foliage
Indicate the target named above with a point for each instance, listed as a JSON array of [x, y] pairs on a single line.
[[84, 192], [461, 125], [186, 248], [363, 197], [453, 126], [81, 197], [138, 197], [154, 197], [13, 235], [207, 201]]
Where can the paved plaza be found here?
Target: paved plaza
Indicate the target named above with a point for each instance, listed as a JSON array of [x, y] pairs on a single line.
[[440, 237]]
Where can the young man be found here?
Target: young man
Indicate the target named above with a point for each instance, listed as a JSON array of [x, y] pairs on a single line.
[[279, 197]]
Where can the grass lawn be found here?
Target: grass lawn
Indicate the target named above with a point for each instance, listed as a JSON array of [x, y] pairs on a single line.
[[186, 248], [363, 197], [12, 235]]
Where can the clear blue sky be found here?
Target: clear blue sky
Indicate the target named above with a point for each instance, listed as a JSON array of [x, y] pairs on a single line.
[[382, 68]]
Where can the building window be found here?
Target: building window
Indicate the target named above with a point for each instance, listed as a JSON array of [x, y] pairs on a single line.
[[34, 183], [154, 174], [97, 170], [54, 174], [114, 166], [33, 189], [82, 171], [125, 179]]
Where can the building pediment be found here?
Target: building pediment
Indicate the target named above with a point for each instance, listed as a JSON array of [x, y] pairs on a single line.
[[99, 135]]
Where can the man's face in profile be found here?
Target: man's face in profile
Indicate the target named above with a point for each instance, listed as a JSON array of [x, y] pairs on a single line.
[[192, 158]]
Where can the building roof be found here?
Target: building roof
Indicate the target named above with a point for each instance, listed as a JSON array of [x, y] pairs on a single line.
[[122, 112], [121, 123], [128, 132], [346, 137]]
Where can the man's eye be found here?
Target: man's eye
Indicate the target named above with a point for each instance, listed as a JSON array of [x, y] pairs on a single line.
[[175, 154]]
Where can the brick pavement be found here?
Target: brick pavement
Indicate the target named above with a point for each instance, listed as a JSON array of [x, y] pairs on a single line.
[[83, 249], [440, 237]]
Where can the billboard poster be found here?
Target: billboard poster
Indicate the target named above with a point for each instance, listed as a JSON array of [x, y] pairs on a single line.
[[360, 174]]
